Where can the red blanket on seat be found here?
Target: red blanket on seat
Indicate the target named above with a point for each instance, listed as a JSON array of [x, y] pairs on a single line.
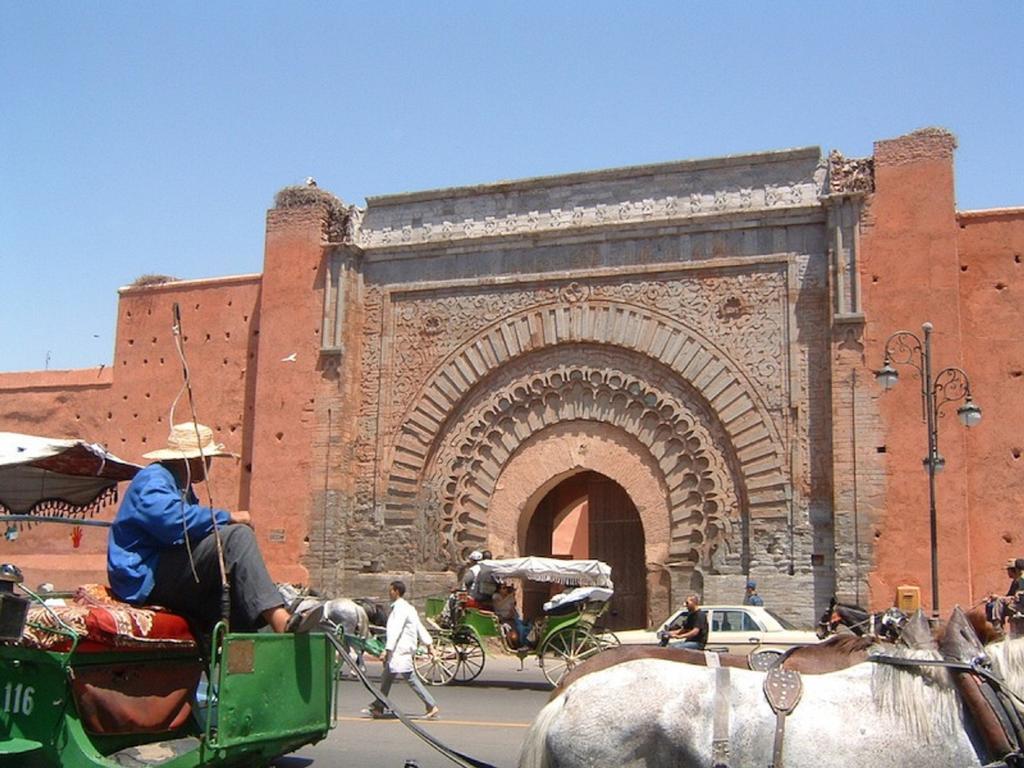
[[103, 623]]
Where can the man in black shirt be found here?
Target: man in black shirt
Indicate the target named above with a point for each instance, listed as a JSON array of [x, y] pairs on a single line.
[[694, 632]]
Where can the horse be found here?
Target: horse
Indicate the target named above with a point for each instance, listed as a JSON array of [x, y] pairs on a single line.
[[835, 653], [376, 612], [311, 612], [890, 624], [886, 624], [656, 713]]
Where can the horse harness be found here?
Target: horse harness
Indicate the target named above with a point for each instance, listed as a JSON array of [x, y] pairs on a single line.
[[782, 688], [987, 701]]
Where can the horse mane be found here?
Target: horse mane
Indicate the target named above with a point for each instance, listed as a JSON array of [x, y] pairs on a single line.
[[923, 697], [852, 612], [986, 631], [1008, 660]]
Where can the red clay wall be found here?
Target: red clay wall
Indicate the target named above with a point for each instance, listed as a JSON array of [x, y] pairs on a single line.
[[263, 384], [991, 275], [909, 275], [126, 406], [58, 404], [921, 261], [291, 316]]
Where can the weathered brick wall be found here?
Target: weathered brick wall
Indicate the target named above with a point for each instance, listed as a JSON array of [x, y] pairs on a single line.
[[909, 274], [740, 238], [126, 406], [692, 330], [991, 286]]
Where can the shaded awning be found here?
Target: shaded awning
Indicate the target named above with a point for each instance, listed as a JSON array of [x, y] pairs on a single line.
[[582, 573], [51, 476]]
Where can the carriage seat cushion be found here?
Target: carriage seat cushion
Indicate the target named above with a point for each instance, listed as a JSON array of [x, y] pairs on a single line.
[[105, 623]]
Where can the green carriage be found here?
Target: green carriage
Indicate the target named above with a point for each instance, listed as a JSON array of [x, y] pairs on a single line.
[[567, 633], [87, 682]]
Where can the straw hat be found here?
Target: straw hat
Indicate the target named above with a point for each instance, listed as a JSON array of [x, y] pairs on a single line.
[[189, 441]]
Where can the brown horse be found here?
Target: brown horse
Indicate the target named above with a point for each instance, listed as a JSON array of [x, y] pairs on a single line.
[[838, 652], [889, 624]]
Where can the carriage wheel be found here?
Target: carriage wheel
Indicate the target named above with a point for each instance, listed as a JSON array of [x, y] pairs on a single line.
[[470, 657], [607, 639], [440, 668], [565, 649]]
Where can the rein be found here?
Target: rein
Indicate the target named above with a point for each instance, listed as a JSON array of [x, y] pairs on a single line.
[[186, 387], [979, 665], [460, 759]]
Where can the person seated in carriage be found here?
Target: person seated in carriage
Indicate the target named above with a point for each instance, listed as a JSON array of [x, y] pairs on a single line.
[[999, 608], [504, 602], [480, 588], [162, 550]]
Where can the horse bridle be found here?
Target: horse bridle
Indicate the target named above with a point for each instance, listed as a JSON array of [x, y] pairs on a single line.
[[885, 620]]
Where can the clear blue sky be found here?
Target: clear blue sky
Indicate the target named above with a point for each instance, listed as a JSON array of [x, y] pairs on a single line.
[[144, 138]]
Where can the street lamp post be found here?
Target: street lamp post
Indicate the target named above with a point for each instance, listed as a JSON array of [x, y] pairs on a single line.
[[950, 385]]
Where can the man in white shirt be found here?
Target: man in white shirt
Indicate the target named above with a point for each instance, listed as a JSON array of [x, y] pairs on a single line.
[[404, 633]]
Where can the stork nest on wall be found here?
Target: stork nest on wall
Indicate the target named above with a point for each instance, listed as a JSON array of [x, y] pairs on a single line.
[[304, 195], [146, 280]]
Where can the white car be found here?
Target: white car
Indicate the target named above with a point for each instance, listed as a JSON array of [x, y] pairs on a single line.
[[732, 628]]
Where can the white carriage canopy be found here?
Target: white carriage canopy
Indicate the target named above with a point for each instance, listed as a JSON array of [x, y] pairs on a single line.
[[577, 573], [52, 476]]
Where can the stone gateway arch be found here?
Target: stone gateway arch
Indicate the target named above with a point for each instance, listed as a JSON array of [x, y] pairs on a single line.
[[591, 381], [653, 341], [666, 366]]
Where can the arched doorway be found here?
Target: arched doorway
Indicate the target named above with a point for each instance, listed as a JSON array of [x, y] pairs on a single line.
[[589, 515]]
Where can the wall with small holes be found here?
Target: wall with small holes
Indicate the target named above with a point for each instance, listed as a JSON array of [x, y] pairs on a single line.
[[922, 260], [127, 406]]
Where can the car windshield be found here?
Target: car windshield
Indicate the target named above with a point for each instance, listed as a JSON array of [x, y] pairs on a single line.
[[782, 622]]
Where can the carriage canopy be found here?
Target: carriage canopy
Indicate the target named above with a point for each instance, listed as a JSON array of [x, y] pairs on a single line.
[[62, 476], [575, 573]]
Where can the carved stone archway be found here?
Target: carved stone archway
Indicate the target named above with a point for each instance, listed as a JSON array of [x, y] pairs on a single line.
[[682, 356], [692, 465], [562, 450]]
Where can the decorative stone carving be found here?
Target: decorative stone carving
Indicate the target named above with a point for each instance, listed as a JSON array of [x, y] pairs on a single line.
[[574, 293], [708, 202], [589, 384], [754, 335], [686, 375]]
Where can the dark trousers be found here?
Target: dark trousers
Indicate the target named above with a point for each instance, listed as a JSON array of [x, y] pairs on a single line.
[[252, 590]]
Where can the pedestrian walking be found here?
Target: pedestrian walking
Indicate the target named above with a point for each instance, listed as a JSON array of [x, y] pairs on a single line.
[[405, 632]]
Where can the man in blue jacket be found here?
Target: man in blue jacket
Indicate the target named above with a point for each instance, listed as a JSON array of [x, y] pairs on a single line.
[[162, 551], [751, 597]]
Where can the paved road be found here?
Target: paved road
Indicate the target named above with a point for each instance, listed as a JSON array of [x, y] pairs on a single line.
[[486, 719]]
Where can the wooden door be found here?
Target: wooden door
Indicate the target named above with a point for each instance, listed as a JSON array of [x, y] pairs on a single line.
[[617, 538]]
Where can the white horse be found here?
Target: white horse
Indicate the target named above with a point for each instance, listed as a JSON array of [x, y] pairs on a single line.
[[660, 714], [309, 611]]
